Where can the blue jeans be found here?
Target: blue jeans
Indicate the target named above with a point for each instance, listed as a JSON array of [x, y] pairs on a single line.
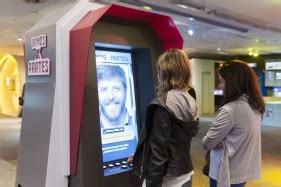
[[213, 183]]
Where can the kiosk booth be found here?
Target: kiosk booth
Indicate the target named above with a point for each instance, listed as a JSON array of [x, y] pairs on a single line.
[[90, 77]]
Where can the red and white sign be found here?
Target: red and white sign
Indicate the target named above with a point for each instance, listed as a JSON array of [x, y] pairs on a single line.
[[39, 66]]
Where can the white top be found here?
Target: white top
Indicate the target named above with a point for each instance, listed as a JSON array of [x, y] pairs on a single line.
[[215, 161]]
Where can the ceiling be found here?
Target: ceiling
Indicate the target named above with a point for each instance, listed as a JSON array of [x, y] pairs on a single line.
[[17, 17], [234, 27]]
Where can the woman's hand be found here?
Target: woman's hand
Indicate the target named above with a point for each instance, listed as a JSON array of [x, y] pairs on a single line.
[[130, 159], [219, 146]]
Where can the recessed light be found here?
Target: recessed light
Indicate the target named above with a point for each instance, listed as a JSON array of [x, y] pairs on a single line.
[[190, 32], [218, 49], [191, 19], [147, 7], [256, 54], [183, 6], [19, 39]]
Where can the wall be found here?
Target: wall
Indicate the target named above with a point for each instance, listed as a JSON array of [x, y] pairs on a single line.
[[12, 78], [203, 81]]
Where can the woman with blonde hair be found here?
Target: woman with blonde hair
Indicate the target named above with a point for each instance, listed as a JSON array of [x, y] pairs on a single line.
[[163, 156]]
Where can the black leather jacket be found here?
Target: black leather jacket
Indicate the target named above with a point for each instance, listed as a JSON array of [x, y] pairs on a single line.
[[164, 145]]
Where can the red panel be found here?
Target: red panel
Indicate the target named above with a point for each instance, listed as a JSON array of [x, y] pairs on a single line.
[[80, 37], [167, 31], [128, 13], [163, 25]]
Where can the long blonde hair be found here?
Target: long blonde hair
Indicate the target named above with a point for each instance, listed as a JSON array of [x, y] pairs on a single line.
[[173, 71]]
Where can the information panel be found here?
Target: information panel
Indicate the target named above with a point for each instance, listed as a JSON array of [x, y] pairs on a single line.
[[117, 108], [273, 65]]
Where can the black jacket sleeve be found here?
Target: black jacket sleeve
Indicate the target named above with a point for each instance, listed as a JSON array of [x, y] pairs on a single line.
[[193, 128], [159, 146]]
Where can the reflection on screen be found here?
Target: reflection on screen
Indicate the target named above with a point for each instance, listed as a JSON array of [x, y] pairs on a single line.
[[117, 109]]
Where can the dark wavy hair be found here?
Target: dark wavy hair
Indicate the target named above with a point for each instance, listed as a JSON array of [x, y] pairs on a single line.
[[173, 71], [241, 79]]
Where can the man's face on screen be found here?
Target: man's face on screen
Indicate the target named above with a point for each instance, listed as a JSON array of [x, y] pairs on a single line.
[[112, 98]]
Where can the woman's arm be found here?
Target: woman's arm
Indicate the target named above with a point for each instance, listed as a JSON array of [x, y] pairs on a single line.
[[218, 130], [159, 147]]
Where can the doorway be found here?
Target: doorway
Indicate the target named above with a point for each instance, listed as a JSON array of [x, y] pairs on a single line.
[[207, 93]]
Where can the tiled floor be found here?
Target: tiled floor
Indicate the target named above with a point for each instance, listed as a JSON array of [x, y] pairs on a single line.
[[271, 154], [9, 143]]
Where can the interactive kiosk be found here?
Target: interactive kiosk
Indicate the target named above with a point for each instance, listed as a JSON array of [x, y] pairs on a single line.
[[82, 115]]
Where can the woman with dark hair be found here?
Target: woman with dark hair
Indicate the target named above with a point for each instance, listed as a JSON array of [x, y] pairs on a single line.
[[163, 155], [234, 138]]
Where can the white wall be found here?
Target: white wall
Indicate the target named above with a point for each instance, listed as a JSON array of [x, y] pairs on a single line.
[[203, 81]]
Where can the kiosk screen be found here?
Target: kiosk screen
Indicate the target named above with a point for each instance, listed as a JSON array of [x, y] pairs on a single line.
[[117, 108]]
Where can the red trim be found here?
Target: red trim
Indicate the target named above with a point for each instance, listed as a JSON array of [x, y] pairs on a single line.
[[80, 37], [167, 31], [163, 26]]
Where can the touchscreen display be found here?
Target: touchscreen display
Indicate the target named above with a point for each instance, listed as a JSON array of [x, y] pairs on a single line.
[[117, 108]]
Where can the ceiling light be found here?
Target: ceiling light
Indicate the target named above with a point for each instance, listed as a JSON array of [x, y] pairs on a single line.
[[190, 32], [191, 19], [147, 7], [183, 6], [253, 52], [218, 49], [256, 40], [19, 37]]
